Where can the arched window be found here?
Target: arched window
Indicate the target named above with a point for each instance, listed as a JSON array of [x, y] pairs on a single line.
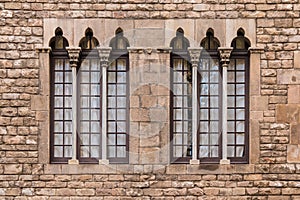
[[89, 100], [118, 100], [61, 99], [180, 99], [210, 100], [238, 99]]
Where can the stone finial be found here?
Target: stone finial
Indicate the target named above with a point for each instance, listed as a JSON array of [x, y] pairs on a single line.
[[74, 53], [225, 55], [104, 53], [195, 53]]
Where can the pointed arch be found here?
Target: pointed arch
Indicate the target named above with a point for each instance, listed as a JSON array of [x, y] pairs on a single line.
[[179, 42], [210, 42], [240, 42], [119, 42], [89, 41], [58, 42]]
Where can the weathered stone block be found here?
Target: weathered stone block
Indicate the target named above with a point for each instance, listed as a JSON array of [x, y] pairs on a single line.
[[287, 113], [12, 169]]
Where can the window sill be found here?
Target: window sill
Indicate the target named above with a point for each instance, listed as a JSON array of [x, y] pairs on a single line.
[[149, 169]]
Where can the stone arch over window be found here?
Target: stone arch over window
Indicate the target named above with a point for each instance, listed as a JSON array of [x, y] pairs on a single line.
[[180, 42], [89, 41], [119, 42], [58, 42], [240, 42], [210, 42]]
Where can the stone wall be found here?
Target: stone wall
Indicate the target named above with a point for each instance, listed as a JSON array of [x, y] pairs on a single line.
[[274, 175]]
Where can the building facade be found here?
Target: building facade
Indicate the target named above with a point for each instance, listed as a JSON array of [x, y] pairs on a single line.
[[160, 99]]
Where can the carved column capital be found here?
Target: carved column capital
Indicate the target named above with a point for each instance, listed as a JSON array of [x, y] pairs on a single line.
[[73, 53], [104, 53], [195, 53], [224, 53]]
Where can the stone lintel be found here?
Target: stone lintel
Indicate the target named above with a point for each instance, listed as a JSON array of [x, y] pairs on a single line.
[[256, 50], [149, 50]]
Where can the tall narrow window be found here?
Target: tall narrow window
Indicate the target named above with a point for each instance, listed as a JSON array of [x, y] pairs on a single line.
[[210, 100], [238, 100], [117, 100], [180, 100], [89, 101], [61, 100]]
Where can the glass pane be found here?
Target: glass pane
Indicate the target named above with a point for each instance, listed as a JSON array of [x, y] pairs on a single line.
[[214, 126], [95, 127], [111, 77], [203, 151], [214, 151], [121, 89], [84, 102], [95, 102], [204, 114], [111, 152], [68, 151], [240, 126], [95, 139], [177, 77], [177, 139], [203, 102], [121, 102], [85, 65], [68, 126], [230, 139], [95, 64], [214, 64], [178, 151], [59, 63], [84, 152], [58, 114], [95, 114], [58, 151], [121, 139], [240, 89], [58, 127], [230, 89], [68, 139], [230, 151], [240, 64], [58, 139], [111, 114], [111, 101], [239, 151], [121, 152], [240, 101], [204, 127], [177, 89], [204, 139], [95, 77], [178, 126], [214, 114], [84, 139], [84, 89], [95, 89], [111, 127], [68, 102], [230, 127], [85, 77], [231, 77], [59, 77], [204, 77], [121, 64], [214, 139], [111, 89], [240, 114], [240, 138], [121, 77], [230, 114], [214, 77], [85, 114], [214, 89], [214, 101], [68, 114], [240, 77], [121, 127], [58, 89], [112, 65], [204, 89], [111, 139], [121, 114], [204, 64], [178, 102], [95, 152], [230, 101], [85, 127]]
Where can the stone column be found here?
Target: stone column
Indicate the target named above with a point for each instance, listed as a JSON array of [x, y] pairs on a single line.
[[225, 59], [195, 57], [74, 58], [104, 55], [44, 138]]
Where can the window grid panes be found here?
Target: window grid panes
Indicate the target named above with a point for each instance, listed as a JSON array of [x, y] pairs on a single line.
[[237, 115], [209, 108], [182, 108], [117, 110], [62, 109], [89, 124]]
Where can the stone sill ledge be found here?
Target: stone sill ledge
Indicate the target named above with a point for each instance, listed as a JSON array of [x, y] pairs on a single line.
[[180, 169]]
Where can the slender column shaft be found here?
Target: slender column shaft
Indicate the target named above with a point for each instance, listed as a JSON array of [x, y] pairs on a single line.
[[74, 56], [104, 53], [225, 59], [195, 57]]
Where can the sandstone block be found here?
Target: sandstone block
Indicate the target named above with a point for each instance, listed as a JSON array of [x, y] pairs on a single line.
[[12, 169]]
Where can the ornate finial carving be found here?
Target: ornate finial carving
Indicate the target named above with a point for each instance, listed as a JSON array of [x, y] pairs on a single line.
[[225, 55], [195, 53], [104, 53], [73, 55]]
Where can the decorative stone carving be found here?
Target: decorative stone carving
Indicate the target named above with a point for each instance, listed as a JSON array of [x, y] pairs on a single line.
[[104, 53], [195, 53], [43, 50], [225, 55], [256, 50], [74, 53]]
